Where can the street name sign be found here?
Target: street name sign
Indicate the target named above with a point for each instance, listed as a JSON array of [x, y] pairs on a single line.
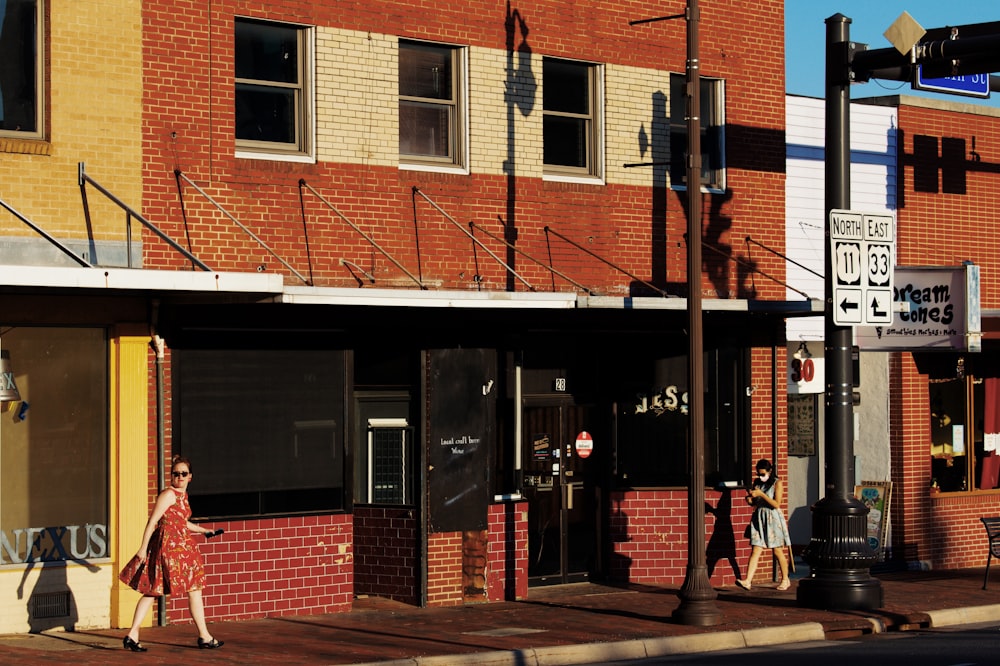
[[863, 255], [971, 85]]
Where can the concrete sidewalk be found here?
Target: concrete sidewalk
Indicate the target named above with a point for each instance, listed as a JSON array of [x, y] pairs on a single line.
[[573, 624]]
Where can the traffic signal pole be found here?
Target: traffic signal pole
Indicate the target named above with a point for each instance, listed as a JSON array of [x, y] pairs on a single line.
[[838, 553]]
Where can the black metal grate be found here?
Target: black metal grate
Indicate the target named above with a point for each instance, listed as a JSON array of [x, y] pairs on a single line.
[[50, 604]]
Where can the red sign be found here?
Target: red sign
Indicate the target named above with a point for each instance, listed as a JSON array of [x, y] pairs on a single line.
[[584, 444]]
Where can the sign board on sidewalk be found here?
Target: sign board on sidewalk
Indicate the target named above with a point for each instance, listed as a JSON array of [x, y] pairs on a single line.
[[863, 254]]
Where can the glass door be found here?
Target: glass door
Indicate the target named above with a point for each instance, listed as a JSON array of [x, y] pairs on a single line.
[[559, 485]]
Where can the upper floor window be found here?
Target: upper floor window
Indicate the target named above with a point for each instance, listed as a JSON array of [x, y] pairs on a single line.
[[273, 103], [571, 118], [21, 60], [431, 108], [713, 123]]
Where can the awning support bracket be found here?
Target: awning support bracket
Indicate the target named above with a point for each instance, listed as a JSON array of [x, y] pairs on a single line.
[[661, 292], [416, 190], [552, 270], [303, 183], [178, 175]]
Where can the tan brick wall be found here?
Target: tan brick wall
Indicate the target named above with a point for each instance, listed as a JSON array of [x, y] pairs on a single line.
[[94, 113], [356, 109]]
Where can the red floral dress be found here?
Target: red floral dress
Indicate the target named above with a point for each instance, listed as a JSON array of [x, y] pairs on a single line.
[[173, 562]]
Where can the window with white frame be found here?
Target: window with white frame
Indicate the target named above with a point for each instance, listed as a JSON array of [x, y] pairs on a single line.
[[390, 461], [21, 68], [272, 99], [713, 123], [431, 109], [571, 117]]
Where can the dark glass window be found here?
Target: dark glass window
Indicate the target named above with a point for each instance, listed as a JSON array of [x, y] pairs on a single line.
[[653, 423], [54, 444], [20, 64], [270, 85], [264, 429], [429, 109], [568, 118], [713, 161]]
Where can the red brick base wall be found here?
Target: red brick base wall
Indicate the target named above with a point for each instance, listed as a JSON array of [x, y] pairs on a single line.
[[444, 569], [649, 535], [385, 553], [507, 565], [272, 567]]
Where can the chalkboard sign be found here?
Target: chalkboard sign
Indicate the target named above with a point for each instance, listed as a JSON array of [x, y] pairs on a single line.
[[801, 424], [461, 384]]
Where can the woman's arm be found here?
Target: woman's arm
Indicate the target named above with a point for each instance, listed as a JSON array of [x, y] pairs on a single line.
[[778, 494], [164, 501], [197, 529]]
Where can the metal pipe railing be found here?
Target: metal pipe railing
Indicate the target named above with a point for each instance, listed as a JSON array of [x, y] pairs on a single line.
[[72, 255], [83, 179]]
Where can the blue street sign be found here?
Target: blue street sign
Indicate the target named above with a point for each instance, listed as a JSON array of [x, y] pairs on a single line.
[[971, 85]]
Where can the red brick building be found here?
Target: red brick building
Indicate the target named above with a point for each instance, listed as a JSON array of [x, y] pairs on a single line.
[[946, 401], [389, 264], [504, 153]]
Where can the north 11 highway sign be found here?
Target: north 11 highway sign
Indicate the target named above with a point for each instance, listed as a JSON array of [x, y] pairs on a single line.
[[863, 254]]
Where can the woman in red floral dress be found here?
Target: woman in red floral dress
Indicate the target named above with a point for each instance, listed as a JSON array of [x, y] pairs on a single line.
[[168, 561]]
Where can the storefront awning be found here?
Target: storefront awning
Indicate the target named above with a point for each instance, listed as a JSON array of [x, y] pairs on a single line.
[[129, 281], [270, 288]]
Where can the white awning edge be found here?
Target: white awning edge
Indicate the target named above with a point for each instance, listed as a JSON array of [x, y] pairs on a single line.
[[134, 279]]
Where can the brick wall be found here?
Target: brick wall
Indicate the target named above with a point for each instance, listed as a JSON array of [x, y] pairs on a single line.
[[274, 567], [444, 569], [947, 209], [649, 534], [93, 114], [507, 566], [385, 553], [188, 126]]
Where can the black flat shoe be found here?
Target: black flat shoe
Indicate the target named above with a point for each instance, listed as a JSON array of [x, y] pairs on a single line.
[[130, 644], [210, 645]]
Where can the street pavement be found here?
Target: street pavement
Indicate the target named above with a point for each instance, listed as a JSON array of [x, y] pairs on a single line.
[[572, 624]]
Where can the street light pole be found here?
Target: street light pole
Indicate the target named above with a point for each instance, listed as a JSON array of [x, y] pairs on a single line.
[[838, 553], [697, 596]]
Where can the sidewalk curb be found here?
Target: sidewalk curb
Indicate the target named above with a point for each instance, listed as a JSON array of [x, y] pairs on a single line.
[[590, 653], [967, 615]]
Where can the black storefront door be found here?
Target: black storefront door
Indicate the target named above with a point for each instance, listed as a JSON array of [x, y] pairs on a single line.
[[563, 511]]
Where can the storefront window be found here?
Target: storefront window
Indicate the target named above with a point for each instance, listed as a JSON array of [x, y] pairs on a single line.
[[652, 425], [264, 429], [54, 446], [965, 433]]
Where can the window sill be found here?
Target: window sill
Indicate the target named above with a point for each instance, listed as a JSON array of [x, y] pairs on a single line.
[[704, 190], [434, 168], [275, 157], [25, 146], [577, 180]]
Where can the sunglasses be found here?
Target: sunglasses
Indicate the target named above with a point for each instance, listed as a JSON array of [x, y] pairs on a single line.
[[180, 474]]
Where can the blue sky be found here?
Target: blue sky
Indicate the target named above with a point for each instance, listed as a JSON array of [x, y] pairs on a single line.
[[805, 38]]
